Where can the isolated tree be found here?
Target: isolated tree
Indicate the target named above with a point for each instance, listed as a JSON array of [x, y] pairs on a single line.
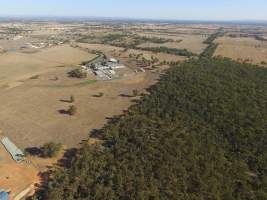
[[72, 99], [135, 93], [51, 149], [72, 110]]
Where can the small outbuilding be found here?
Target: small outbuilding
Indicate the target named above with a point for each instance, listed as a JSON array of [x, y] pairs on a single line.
[[113, 60]]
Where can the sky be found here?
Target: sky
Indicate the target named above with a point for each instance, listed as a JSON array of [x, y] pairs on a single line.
[[143, 9]]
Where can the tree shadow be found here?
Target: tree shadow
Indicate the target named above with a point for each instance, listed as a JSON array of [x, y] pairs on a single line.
[[126, 95], [65, 101], [63, 112], [34, 151], [97, 96]]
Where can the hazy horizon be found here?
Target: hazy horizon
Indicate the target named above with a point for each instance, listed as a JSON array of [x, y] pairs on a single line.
[[206, 10]]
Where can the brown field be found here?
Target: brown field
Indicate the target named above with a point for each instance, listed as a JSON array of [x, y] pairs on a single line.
[[117, 51], [16, 66], [160, 56], [192, 43], [15, 177], [250, 49], [33, 113]]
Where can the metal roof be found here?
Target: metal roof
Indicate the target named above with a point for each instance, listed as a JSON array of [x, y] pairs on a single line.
[[15, 152]]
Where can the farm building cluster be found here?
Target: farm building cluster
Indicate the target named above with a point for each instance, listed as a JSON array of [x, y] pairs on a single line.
[[103, 68]]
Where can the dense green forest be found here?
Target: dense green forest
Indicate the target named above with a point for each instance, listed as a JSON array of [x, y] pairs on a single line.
[[201, 134], [209, 51]]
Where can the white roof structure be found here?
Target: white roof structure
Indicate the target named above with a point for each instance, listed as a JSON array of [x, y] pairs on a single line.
[[14, 151], [113, 60]]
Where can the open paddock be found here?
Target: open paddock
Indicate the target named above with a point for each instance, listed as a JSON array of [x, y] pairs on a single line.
[[160, 56], [15, 67], [35, 113], [124, 55], [243, 49], [192, 43]]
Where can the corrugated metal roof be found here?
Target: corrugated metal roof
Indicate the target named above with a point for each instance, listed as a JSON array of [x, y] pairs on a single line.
[[15, 152]]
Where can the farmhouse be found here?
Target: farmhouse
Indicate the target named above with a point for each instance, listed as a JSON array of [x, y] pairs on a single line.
[[103, 68]]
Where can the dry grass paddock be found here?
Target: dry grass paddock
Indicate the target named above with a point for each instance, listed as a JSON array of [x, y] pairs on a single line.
[[16, 67], [242, 49]]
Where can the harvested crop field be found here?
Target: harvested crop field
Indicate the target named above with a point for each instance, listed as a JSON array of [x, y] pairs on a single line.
[[243, 49], [16, 66]]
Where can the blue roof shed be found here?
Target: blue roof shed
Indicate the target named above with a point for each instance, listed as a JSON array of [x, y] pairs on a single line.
[[3, 196]]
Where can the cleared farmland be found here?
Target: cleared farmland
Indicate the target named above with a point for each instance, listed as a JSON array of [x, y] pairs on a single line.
[[192, 43], [16, 66], [243, 49]]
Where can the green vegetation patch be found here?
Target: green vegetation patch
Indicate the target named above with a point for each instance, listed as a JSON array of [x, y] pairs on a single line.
[[88, 82]]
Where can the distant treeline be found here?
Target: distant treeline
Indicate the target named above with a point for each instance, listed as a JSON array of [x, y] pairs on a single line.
[[199, 135], [173, 51], [213, 37], [211, 48], [124, 40]]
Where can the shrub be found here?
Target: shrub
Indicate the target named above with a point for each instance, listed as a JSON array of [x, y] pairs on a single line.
[[72, 99], [51, 149], [77, 73], [72, 110], [135, 93]]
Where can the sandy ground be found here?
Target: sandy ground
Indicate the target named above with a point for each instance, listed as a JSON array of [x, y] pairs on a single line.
[[15, 66], [15, 176], [242, 49]]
